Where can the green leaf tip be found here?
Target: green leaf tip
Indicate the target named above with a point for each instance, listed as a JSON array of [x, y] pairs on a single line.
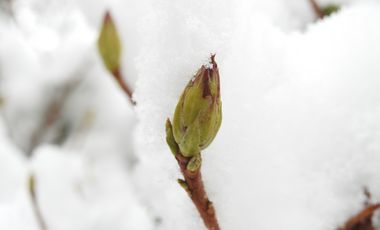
[[170, 138], [109, 44], [198, 114]]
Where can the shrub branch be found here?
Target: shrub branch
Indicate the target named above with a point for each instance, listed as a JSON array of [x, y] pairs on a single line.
[[194, 187], [124, 86], [36, 206]]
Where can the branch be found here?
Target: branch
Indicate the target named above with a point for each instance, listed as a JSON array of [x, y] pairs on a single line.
[[197, 119], [52, 114], [324, 11], [124, 86], [317, 9], [193, 185], [36, 207], [110, 48], [362, 220], [8, 8]]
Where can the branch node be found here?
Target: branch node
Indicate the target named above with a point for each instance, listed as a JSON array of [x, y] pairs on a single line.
[[184, 185], [194, 186]]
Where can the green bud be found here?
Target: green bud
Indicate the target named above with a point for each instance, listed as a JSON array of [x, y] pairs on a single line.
[[184, 185], [329, 9], [194, 163], [109, 44], [170, 138], [198, 114]]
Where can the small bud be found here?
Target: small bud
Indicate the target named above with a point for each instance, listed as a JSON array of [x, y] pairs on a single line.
[[170, 138], [109, 44], [198, 114], [329, 9], [194, 163], [184, 185]]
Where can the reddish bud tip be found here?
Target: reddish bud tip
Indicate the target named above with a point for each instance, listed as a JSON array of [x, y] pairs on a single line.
[[107, 16]]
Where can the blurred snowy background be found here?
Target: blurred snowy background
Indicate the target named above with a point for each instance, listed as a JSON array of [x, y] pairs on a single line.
[[299, 141]]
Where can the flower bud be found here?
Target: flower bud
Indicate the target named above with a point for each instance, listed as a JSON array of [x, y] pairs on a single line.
[[198, 114], [109, 44]]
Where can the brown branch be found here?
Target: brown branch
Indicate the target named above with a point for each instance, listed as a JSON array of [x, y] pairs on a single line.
[[124, 86], [193, 185], [52, 114], [317, 9], [368, 196], [362, 220], [36, 207]]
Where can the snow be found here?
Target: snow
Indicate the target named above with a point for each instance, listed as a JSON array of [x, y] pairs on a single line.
[[298, 141], [83, 180], [100, 199], [295, 148]]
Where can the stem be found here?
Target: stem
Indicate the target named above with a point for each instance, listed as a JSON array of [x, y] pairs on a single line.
[[52, 114], [193, 184], [36, 207], [362, 220], [124, 86], [317, 9]]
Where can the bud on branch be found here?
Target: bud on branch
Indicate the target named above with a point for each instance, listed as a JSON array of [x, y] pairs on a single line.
[[109, 46], [198, 114], [197, 119]]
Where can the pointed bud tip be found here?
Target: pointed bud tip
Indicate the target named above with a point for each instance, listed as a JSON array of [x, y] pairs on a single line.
[[107, 16], [211, 64], [212, 61], [209, 72], [168, 125]]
